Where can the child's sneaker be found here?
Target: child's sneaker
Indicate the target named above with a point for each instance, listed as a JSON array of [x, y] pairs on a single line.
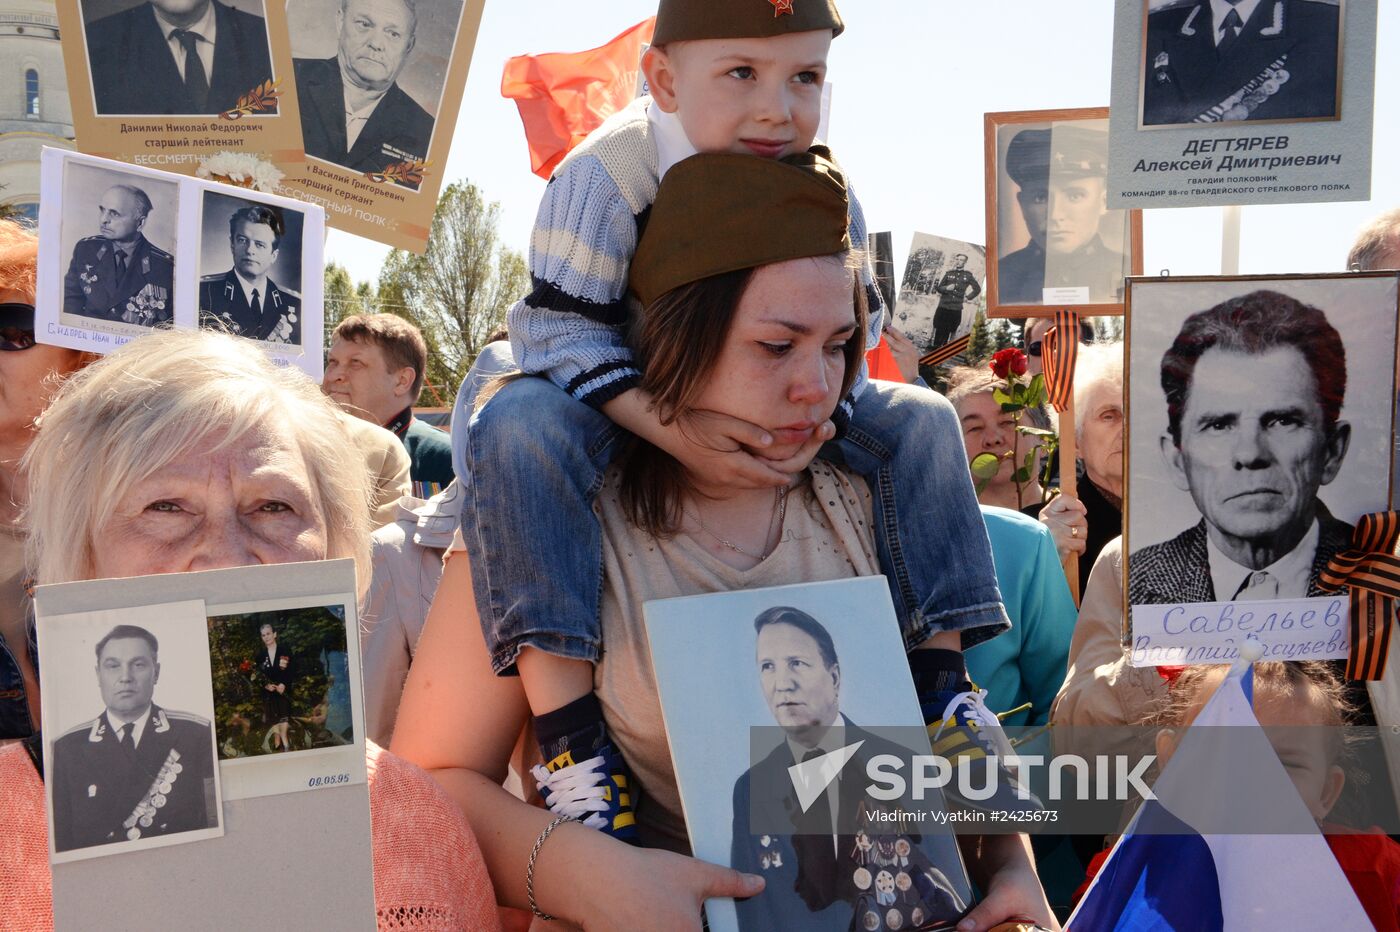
[[595, 791], [969, 735]]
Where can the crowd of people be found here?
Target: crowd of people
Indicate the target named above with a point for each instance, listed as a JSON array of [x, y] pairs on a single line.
[[674, 410]]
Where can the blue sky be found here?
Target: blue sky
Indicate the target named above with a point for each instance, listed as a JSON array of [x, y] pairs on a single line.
[[911, 80]]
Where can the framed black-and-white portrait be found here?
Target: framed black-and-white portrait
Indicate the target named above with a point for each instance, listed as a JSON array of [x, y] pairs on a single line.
[[128, 722], [1219, 103], [1255, 60], [1260, 413], [370, 77], [250, 263], [941, 291], [1054, 241], [181, 58], [117, 235]]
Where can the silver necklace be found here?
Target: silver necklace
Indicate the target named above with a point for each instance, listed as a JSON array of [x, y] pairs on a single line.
[[779, 513]]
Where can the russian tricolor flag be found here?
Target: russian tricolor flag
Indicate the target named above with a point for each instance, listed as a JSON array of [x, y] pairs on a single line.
[[1164, 874]]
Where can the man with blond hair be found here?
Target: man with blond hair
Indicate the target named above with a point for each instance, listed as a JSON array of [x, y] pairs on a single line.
[[375, 371]]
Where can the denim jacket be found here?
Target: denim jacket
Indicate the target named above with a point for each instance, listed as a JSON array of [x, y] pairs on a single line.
[[15, 721]]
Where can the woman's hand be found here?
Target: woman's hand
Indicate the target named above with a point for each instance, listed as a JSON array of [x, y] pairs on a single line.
[[678, 887], [905, 353], [1065, 517], [1013, 893], [717, 447]]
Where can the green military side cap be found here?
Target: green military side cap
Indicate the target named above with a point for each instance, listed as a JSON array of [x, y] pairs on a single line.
[[1068, 152], [677, 20], [720, 212]]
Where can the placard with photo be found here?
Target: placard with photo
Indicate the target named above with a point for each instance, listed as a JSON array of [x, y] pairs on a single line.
[[124, 250], [128, 704], [166, 655], [380, 84], [941, 291], [1259, 432], [1055, 242], [169, 83], [814, 672], [1266, 102]]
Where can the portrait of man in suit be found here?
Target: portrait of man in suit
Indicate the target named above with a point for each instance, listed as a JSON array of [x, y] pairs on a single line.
[[119, 275], [1254, 393], [1213, 61], [136, 770], [353, 111], [833, 866], [244, 300], [176, 57]]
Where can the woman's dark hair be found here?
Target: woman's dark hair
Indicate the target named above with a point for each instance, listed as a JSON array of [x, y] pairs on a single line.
[[676, 342]]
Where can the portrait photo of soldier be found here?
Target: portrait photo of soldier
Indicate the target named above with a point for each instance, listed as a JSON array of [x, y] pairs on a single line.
[[245, 244], [939, 294], [1054, 226], [118, 270], [1217, 61], [138, 770], [370, 75], [1256, 404], [833, 868], [175, 57]]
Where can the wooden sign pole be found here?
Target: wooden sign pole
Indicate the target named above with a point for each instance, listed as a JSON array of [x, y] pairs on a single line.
[[1069, 485]]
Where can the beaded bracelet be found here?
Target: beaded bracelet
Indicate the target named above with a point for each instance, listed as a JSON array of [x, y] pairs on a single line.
[[530, 867]]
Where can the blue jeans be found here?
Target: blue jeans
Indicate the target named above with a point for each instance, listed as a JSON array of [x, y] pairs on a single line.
[[535, 459]]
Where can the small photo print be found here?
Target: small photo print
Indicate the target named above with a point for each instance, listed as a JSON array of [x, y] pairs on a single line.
[[127, 694], [282, 681], [250, 265], [117, 238], [175, 57], [1269, 61], [941, 291], [370, 76]]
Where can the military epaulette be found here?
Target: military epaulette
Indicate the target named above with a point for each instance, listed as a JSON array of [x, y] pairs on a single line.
[[186, 717], [160, 252], [289, 292], [210, 279], [88, 239], [89, 725], [1176, 5]]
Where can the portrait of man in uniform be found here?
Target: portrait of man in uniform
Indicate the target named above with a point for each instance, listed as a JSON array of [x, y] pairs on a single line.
[[831, 867], [1215, 61], [137, 770], [117, 274], [354, 112], [957, 287], [1060, 177], [175, 57], [244, 299], [1254, 390]]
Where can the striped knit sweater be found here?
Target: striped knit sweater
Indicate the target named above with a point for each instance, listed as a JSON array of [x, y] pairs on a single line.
[[571, 325]]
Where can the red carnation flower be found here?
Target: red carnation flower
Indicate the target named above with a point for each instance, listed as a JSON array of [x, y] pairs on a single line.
[[1008, 362], [245, 667]]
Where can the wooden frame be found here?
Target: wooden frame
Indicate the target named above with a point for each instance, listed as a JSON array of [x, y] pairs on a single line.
[[992, 123], [1134, 474]]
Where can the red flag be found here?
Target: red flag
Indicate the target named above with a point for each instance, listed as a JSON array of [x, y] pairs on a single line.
[[881, 363], [564, 96]]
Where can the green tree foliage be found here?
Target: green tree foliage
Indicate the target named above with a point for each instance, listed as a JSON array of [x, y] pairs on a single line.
[[979, 343], [342, 297], [459, 290], [1002, 335]]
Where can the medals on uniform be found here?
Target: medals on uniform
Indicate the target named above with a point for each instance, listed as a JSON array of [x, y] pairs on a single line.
[[157, 795], [1243, 102]]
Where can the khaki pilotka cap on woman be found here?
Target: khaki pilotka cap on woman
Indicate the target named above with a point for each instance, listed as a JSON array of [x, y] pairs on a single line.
[[720, 212], [678, 20]]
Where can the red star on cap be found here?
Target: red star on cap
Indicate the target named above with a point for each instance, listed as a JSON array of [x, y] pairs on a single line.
[[780, 7]]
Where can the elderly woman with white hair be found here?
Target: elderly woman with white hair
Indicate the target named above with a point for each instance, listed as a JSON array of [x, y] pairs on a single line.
[[191, 451], [1085, 524]]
